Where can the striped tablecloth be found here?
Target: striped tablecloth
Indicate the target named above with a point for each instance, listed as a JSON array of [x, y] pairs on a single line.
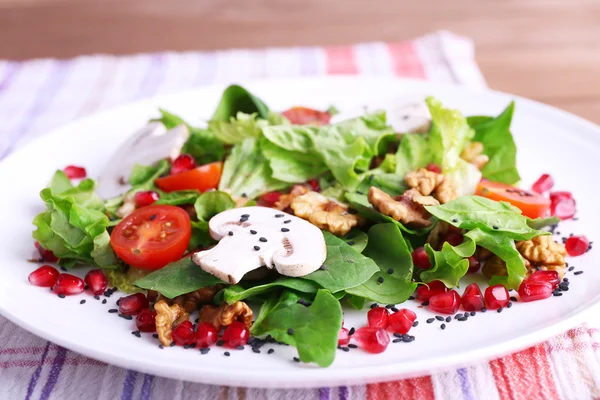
[[36, 96]]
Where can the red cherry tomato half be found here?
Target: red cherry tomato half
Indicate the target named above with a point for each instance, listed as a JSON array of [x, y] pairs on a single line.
[[152, 236], [307, 116], [202, 178], [533, 205]]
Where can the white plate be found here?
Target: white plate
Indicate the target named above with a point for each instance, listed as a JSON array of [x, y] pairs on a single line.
[[548, 140]]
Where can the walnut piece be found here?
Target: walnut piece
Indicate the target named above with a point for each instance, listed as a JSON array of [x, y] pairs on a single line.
[[400, 208], [225, 314], [423, 180], [127, 207], [191, 301], [473, 154], [446, 191], [325, 213], [285, 200], [167, 317], [417, 197]]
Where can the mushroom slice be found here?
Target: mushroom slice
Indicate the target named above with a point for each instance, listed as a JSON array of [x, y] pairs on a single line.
[[150, 144], [252, 237]]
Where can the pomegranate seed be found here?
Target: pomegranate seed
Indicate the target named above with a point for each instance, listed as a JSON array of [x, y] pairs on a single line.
[[236, 334], [496, 297], [184, 162], [206, 335], [454, 238], [44, 276], [434, 168], [472, 299], [550, 277], [96, 281], [269, 199], [420, 258], [556, 196], [145, 198], [534, 290], [343, 337], [424, 292], [146, 320], [46, 255], [402, 320], [563, 208], [75, 172], [445, 303], [378, 317], [577, 245], [473, 265], [314, 184], [184, 333], [68, 284], [543, 184], [372, 340], [133, 304]]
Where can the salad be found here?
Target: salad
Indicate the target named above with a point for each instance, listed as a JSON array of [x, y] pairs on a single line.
[[262, 226]]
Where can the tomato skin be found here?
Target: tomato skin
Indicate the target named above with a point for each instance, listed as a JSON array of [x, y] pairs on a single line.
[[532, 205], [201, 178], [139, 241], [307, 116]]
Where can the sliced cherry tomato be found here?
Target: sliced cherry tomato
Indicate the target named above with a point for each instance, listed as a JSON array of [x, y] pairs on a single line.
[[307, 116], [202, 178], [152, 236], [531, 204]]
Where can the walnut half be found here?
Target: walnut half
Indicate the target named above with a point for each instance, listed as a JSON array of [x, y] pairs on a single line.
[[167, 317], [400, 208], [225, 314], [428, 182], [325, 213]]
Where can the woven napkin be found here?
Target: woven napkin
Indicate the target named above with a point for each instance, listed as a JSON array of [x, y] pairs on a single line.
[[38, 95]]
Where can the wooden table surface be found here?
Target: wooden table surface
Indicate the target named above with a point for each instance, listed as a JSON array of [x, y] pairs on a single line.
[[548, 50]]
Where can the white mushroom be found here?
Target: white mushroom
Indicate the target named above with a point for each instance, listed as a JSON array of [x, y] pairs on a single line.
[[252, 237], [150, 144]]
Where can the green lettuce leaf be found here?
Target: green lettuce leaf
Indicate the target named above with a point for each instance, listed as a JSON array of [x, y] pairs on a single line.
[[238, 128], [142, 177], [236, 99], [207, 206], [449, 264], [291, 166], [390, 252], [356, 239], [413, 153], [237, 293]]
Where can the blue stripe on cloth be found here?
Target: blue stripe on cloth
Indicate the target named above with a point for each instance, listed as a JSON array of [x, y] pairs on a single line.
[[146, 387], [465, 386], [57, 365], [324, 393], [129, 385], [36, 374]]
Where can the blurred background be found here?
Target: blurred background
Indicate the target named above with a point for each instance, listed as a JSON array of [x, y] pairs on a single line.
[[548, 50]]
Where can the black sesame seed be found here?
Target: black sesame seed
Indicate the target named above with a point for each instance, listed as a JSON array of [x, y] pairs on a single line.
[[473, 313], [557, 294], [220, 343], [204, 350], [380, 279], [390, 271], [448, 319], [430, 320], [285, 230], [396, 340], [439, 317], [86, 287], [346, 349], [262, 239], [483, 309], [571, 268], [578, 273], [82, 302], [389, 306], [513, 298], [455, 220], [271, 351], [394, 309], [256, 350], [155, 335], [152, 217], [279, 215], [495, 227], [227, 354], [398, 335], [509, 305], [565, 279], [127, 317], [256, 248], [408, 339], [296, 359], [63, 269], [103, 301], [499, 310], [62, 296], [351, 242], [287, 221], [160, 346], [415, 324], [457, 316], [186, 346], [239, 347], [425, 303], [113, 310], [353, 346], [136, 333], [97, 297], [172, 344], [463, 318], [290, 331], [245, 215], [351, 331], [565, 289], [323, 267], [252, 231], [230, 233], [411, 297], [443, 326]]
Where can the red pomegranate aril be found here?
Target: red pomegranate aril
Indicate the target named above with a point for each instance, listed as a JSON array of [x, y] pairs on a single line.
[[472, 298], [236, 334], [44, 276], [146, 321], [133, 304], [534, 290], [372, 340], [314, 185], [343, 337], [378, 317], [184, 162], [46, 255], [269, 199], [543, 184], [184, 333], [424, 292], [75, 172], [550, 277], [556, 196], [96, 281], [420, 258], [68, 284], [564, 208], [434, 168], [454, 238], [145, 198], [577, 245], [473, 265], [402, 320], [206, 335], [445, 303], [496, 297]]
